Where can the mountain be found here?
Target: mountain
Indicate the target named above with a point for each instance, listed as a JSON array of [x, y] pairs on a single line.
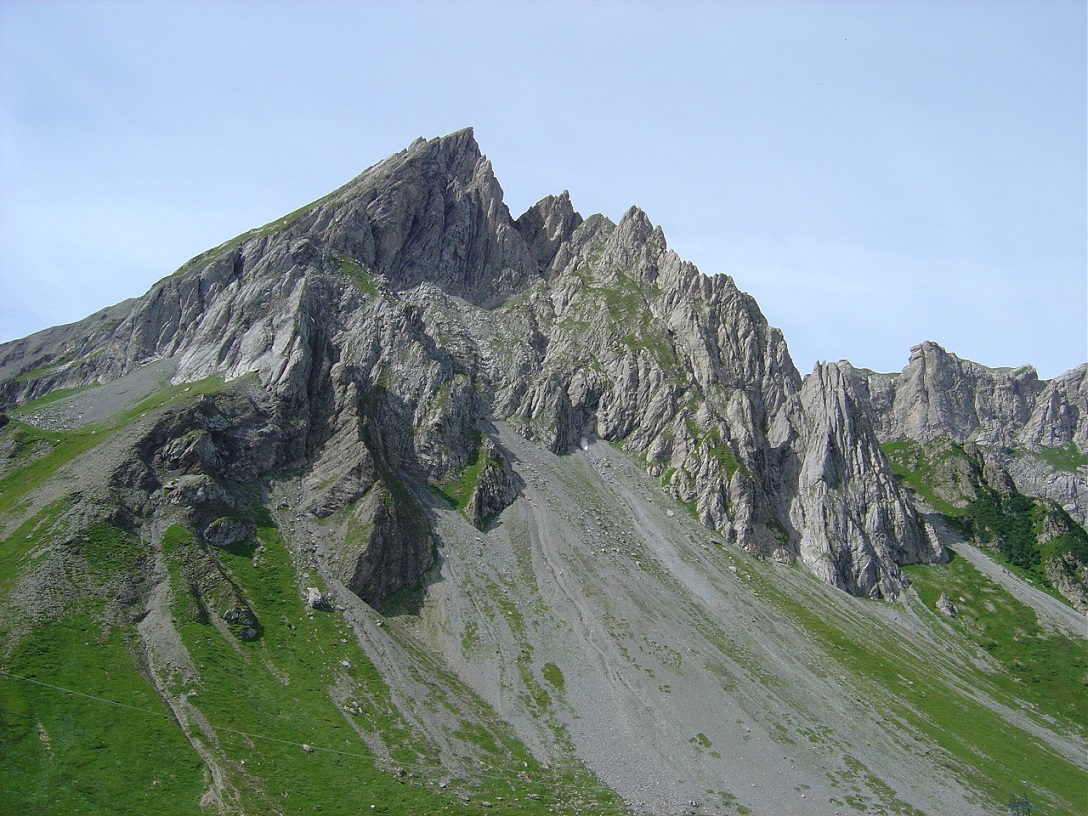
[[394, 315], [1026, 423], [402, 502], [997, 448]]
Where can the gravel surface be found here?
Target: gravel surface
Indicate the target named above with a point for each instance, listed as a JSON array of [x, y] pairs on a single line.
[[99, 402], [683, 686]]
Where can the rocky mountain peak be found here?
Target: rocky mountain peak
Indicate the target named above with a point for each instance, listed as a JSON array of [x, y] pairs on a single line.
[[938, 394], [542, 446], [458, 151], [434, 212], [547, 225], [393, 318]]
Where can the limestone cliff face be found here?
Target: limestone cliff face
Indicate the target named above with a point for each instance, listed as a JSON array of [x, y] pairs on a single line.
[[386, 323], [847, 499], [938, 394], [1017, 420], [1058, 422], [1060, 414], [637, 347]]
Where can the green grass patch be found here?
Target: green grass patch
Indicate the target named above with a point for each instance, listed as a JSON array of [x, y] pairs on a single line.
[[41, 370], [691, 508], [553, 674], [56, 395], [924, 689], [38, 454], [108, 550], [470, 637], [65, 753], [15, 549], [170, 395], [711, 445], [701, 740], [358, 274], [913, 466], [459, 490], [1047, 669], [1068, 458]]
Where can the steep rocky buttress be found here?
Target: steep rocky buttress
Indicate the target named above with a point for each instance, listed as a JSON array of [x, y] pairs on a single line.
[[387, 324], [1034, 429], [999, 448]]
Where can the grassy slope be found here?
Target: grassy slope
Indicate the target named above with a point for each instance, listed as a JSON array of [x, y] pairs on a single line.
[[277, 687], [280, 684], [1038, 670], [113, 746], [73, 754], [931, 689], [69, 754], [66, 753]]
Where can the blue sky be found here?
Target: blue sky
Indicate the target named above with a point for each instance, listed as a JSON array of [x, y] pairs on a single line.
[[875, 174]]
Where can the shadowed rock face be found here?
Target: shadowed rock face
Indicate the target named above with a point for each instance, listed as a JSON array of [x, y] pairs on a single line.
[[387, 323]]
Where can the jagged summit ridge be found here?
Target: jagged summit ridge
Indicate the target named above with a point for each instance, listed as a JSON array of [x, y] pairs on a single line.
[[938, 394], [434, 212], [1005, 411], [407, 307]]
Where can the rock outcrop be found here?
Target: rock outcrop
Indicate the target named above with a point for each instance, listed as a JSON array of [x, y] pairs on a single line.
[[495, 489], [380, 325], [938, 394], [857, 525], [1060, 414], [998, 450], [1035, 431]]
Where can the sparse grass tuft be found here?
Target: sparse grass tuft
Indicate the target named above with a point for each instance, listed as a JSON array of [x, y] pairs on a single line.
[[358, 274], [1068, 458], [459, 490]]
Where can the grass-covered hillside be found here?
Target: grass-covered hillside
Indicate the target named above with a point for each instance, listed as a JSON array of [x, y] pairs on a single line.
[[592, 650], [1035, 537]]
